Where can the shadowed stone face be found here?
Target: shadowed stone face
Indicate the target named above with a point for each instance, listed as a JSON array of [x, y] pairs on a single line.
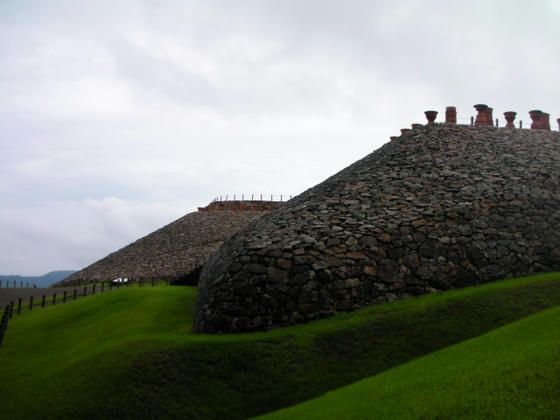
[[443, 206]]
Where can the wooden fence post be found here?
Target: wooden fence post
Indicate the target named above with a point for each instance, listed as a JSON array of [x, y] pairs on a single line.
[[2, 330], [12, 309], [4, 323], [102, 287], [53, 299], [19, 306], [30, 303], [43, 302], [74, 295], [93, 290], [85, 290], [64, 297]]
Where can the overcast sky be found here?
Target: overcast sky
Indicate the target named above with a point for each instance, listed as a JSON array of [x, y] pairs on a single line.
[[117, 117]]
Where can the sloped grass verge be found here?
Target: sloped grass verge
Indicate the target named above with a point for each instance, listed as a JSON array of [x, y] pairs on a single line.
[[130, 354], [53, 359], [511, 372]]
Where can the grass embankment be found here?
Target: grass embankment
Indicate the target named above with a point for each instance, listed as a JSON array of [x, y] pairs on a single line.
[[130, 353], [511, 372]]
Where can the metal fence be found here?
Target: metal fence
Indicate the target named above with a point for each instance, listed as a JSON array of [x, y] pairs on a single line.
[[252, 197]]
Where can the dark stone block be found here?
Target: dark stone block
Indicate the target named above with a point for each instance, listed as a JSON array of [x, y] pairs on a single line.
[[396, 253], [388, 271], [256, 268], [428, 249], [241, 324]]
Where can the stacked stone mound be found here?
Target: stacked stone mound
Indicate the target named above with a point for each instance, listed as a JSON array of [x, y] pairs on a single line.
[[175, 252], [443, 206]]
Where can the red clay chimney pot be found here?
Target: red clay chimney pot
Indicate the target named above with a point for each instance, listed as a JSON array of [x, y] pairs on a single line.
[[431, 116], [545, 121], [451, 115], [489, 118], [510, 117], [483, 116], [536, 115]]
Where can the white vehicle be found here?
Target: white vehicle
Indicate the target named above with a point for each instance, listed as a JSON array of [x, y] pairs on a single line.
[[120, 280]]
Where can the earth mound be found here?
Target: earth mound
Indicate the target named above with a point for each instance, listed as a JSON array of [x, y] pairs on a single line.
[[177, 251], [443, 206]]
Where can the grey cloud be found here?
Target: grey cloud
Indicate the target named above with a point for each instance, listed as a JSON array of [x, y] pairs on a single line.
[[178, 102]]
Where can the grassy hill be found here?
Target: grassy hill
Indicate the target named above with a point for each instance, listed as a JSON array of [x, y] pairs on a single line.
[[513, 371], [129, 353]]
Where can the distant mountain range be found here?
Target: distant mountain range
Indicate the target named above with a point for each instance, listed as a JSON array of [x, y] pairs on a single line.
[[40, 281]]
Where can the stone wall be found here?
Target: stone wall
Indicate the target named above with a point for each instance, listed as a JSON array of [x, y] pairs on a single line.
[[442, 206], [175, 252]]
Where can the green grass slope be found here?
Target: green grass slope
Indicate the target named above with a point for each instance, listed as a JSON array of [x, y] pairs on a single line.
[[511, 372], [47, 353], [129, 353]]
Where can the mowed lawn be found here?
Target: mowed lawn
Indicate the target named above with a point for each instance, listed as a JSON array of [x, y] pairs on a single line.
[[130, 353], [511, 372], [45, 348]]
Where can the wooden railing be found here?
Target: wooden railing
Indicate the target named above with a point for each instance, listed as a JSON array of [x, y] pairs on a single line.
[[28, 303]]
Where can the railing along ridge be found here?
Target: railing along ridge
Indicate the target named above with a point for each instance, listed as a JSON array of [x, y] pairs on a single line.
[[18, 306], [253, 197]]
